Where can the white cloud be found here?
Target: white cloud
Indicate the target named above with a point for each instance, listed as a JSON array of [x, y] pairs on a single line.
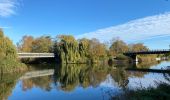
[[8, 7], [4, 27], [140, 29]]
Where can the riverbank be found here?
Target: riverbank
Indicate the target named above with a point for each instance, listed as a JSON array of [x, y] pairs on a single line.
[[8, 56], [11, 66]]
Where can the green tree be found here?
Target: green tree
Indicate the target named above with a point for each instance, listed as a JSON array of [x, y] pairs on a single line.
[[8, 55], [138, 47], [25, 45], [70, 50], [97, 50], [42, 44], [67, 49], [118, 47]]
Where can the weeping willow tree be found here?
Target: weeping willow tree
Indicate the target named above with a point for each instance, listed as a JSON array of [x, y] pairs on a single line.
[[8, 56], [69, 50]]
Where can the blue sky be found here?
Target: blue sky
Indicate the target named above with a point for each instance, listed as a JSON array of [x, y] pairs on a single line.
[[146, 21]]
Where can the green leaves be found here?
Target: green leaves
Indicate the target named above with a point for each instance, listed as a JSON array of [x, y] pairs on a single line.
[[8, 55], [40, 45], [69, 50]]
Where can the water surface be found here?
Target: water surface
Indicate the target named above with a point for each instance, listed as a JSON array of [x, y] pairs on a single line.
[[77, 82]]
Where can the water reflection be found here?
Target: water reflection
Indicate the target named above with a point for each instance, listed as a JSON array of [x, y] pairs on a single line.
[[167, 76], [7, 84], [68, 77], [77, 81], [40, 82]]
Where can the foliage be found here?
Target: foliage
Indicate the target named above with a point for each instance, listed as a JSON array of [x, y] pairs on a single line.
[[69, 50], [137, 47], [118, 47], [147, 58], [40, 44], [66, 49], [25, 45], [8, 56], [97, 50]]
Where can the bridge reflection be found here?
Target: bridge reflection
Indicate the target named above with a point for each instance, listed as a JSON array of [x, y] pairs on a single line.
[[39, 73]]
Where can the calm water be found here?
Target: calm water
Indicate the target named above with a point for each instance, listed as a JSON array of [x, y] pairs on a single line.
[[77, 82]]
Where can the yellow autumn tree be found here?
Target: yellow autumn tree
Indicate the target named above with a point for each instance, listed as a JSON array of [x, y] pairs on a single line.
[[8, 55]]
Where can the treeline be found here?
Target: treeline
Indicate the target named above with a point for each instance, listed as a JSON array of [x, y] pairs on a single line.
[[43, 44], [8, 56], [70, 50]]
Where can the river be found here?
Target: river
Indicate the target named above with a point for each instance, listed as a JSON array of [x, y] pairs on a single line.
[[77, 82]]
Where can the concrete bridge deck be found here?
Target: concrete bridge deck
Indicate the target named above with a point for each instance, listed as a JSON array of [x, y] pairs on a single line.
[[36, 55]]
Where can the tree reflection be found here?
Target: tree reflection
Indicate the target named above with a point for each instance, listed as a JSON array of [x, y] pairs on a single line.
[[68, 76], [120, 76], [41, 82], [71, 75], [146, 64], [7, 83]]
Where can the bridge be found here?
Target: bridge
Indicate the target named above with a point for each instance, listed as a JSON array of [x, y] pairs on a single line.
[[36, 55], [133, 55], [40, 73]]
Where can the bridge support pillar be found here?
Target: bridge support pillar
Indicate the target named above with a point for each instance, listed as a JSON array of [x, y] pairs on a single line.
[[134, 58]]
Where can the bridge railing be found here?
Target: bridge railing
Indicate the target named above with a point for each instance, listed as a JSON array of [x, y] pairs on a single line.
[[157, 50]]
